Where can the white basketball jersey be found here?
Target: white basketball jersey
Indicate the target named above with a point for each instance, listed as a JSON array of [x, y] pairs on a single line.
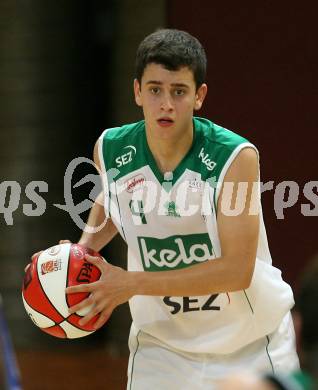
[[169, 222]]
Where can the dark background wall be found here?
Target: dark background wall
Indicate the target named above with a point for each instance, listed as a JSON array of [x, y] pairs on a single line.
[[53, 76], [262, 78]]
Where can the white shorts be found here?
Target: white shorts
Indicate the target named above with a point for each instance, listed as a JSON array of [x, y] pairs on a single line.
[[154, 365]]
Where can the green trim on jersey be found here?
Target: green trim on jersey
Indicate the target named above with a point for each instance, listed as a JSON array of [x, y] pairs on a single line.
[[219, 144], [126, 149]]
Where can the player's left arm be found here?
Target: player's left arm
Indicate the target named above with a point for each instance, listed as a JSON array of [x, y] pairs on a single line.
[[230, 272]]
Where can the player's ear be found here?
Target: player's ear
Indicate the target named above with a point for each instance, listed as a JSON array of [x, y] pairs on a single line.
[[200, 96], [137, 93]]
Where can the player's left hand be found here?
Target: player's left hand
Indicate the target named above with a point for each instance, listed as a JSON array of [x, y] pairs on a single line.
[[112, 289]]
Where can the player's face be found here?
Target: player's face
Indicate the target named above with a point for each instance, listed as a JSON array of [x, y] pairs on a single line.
[[168, 99]]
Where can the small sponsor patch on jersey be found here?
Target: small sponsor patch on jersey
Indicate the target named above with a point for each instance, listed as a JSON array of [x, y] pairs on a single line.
[[127, 157], [50, 266], [195, 185], [135, 183], [171, 209], [175, 251]]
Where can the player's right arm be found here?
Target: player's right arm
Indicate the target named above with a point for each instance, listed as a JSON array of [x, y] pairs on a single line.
[[96, 219]]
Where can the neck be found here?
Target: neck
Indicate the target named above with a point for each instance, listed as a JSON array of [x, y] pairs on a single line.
[[168, 153]]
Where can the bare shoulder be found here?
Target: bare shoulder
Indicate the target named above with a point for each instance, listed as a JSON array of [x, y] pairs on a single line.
[[247, 156], [244, 169], [244, 166]]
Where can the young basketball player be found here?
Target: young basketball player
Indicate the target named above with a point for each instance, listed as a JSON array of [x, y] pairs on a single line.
[[183, 193]]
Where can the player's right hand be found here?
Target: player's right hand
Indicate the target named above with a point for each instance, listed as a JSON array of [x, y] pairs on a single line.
[[38, 253]]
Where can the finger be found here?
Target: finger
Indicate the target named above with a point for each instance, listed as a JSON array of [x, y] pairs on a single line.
[[99, 261], [84, 303], [89, 316], [64, 242], [103, 317], [27, 267], [89, 287]]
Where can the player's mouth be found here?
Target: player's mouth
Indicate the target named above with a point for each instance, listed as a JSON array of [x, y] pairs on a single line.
[[165, 122]]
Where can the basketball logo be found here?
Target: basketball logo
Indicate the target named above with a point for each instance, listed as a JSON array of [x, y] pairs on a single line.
[[54, 250]]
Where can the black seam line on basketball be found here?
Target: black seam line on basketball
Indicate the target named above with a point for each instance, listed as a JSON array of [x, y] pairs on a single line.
[[45, 292], [49, 327], [44, 315], [67, 274], [133, 362], [77, 327], [121, 220], [248, 301], [269, 357]]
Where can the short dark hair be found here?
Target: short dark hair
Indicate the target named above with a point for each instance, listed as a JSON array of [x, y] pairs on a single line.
[[173, 49]]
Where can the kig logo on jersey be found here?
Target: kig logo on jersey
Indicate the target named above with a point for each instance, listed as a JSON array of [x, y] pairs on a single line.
[[175, 251], [126, 157], [205, 158]]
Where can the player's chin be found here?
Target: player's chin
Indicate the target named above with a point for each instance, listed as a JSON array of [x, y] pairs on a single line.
[[165, 133]]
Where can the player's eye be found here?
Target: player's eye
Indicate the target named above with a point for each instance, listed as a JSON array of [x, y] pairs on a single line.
[[155, 90], [179, 92]]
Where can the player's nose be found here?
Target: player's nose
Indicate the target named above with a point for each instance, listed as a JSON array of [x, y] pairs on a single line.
[[166, 103]]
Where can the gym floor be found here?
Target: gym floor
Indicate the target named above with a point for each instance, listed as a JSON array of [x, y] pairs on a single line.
[[92, 369]]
